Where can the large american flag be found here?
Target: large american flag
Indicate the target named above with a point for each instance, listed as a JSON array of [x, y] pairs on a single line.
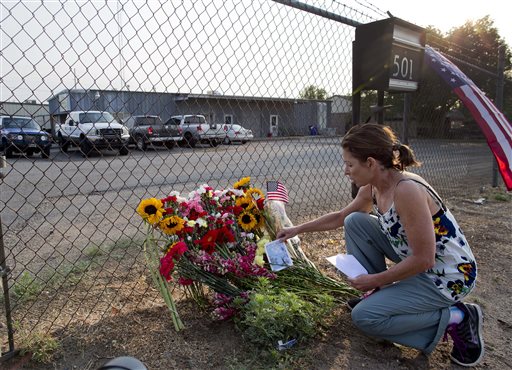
[[496, 128], [277, 191]]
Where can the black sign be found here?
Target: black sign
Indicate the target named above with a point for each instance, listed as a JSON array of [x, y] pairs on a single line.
[[388, 55]]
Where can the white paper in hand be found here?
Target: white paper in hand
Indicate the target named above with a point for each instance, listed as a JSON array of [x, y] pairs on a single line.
[[348, 264]]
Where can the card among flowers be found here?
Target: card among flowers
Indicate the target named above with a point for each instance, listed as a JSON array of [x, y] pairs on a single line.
[[278, 256]]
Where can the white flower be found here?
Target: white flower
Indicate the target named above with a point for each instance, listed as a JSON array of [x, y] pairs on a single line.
[[238, 192], [191, 223], [202, 222], [178, 196], [247, 235], [202, 189]]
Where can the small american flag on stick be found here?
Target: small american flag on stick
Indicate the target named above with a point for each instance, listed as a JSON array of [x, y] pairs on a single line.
[[277, 191]]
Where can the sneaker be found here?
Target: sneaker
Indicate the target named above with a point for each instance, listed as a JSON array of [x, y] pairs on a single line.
[[351, 303], [468, 344]]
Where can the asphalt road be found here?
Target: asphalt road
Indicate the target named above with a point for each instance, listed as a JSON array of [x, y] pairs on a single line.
[[54, 208]]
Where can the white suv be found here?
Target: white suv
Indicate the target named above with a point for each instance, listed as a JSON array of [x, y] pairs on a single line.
[[195, 129], [92, 131]]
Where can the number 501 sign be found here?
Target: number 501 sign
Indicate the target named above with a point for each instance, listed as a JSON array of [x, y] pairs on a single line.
[[388, 55], [405, 65], [402, 68]]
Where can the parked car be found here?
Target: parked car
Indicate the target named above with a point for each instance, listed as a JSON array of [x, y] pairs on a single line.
[[195, 129], [93, 131], [149, 129], [23, 135], [235, 132]]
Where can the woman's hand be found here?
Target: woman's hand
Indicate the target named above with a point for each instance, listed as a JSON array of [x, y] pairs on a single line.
[[365, 282], [287, 233]]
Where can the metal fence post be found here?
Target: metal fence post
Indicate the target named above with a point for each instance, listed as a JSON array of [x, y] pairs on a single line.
[[4, 271], [405, 125]]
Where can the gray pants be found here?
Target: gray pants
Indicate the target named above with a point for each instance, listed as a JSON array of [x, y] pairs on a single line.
[[411, 312]]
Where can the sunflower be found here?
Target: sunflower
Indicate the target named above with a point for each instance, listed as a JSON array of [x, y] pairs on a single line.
[[244, 182], [172, 225], [255, 193], [247, 221], [151, 210], [245, 202], [260, 220]]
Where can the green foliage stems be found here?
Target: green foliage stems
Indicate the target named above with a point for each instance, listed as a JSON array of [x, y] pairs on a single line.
[[303, 279], [152, 259], [220, 284], [274, 314]]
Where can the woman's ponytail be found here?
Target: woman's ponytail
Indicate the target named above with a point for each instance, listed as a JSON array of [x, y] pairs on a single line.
[[405, 157]]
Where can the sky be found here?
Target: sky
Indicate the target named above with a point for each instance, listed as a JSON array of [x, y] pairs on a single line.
[[447, 14], [234, 47]]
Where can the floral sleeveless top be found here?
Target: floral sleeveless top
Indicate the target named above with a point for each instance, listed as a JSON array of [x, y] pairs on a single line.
[[455, 270]]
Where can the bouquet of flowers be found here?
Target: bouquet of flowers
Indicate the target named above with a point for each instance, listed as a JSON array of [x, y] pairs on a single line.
[[212, 243]]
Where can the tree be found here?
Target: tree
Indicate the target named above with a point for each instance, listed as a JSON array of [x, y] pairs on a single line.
[[313, 92], [434, 98], [477, 42], [473, 47]]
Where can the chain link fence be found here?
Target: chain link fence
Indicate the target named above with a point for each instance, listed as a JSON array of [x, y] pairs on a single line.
[[69, 232]]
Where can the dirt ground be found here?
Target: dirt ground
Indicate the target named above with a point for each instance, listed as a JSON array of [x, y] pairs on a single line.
[[144, 329]]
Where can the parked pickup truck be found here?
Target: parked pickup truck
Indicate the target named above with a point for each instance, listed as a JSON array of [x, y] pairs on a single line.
[[195, 130], [148, 129], [93, 131]]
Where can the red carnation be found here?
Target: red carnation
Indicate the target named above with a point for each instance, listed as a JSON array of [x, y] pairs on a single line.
[[185, 282], [260, 203], [207, 242], [237, 210], [225, 235], [178, 249], [166, 266]]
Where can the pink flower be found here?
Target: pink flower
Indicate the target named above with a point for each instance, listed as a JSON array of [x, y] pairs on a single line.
[[220, 299], [224, 313]]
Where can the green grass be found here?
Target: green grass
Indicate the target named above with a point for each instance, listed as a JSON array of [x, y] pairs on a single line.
[[26, 287], [254, 358], [499, 194], [93, 251], [118, 249], [503, 197], [40, 345]]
